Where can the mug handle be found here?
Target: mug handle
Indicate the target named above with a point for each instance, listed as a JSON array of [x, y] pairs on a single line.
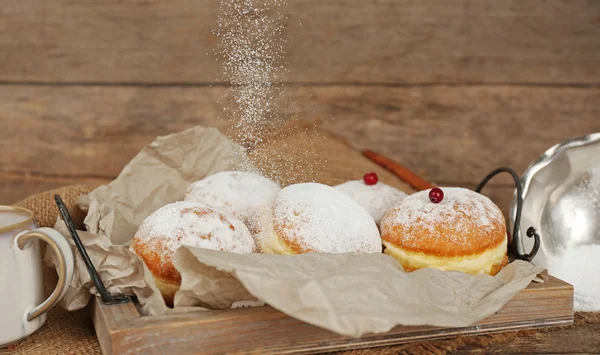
[[62, 249]]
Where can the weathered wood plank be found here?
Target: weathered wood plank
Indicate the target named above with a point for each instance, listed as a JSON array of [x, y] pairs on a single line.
[[15, 187], [459, 134], [335, 163], [447, 134], [575, 340], [341, 41], [108, 319], [312, 155], [12, 191], [93, 131]]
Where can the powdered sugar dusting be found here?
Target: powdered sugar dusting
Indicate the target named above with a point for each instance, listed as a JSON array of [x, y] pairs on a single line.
[[252, 48], [376, 199], [417, 210], [322, 219], [241, 194], [577, 263], [253, 51], [590, 190], [192, 224]]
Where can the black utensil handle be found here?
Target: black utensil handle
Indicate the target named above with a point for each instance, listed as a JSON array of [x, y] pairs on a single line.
[[516, 235], [107, 298]]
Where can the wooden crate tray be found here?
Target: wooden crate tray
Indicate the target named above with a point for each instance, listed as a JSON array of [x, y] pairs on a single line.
[[122, 330]]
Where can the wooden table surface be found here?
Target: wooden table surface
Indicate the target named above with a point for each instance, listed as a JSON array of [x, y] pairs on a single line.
[[452, 89]]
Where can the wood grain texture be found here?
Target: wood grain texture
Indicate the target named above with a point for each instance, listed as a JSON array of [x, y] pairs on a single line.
[[578, 340], [305, 155], [15, 187], [339, 41], [450, 135], [266, 330], [337, 162], [93, 131], [107, 319], [459, 134]]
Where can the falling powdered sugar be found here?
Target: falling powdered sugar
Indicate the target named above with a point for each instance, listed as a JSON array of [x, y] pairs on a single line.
[[252, 48]]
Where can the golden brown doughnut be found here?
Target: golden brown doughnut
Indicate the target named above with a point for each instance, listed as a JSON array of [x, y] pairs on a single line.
[[185, 223], [464, 232]]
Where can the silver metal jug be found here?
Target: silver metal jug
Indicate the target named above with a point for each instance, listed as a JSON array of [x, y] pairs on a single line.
[[555, 202]]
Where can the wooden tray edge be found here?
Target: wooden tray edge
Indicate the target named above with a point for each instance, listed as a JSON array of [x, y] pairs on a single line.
[[121, 328]]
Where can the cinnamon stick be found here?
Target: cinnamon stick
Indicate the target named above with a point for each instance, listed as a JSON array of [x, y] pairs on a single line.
[[412, 179]]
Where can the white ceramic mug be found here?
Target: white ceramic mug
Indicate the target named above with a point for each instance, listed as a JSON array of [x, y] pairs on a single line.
[[22, 305]]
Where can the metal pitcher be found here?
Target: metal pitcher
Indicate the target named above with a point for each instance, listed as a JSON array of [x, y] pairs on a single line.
[[553, 201]]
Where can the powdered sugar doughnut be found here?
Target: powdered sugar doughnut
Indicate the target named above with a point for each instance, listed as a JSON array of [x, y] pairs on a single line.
[[185, 223], [312, 217], [464, 232], [376, 199], [238, 193]]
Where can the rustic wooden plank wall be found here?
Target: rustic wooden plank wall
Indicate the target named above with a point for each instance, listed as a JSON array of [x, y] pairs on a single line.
[[452, 89], [335, 41]]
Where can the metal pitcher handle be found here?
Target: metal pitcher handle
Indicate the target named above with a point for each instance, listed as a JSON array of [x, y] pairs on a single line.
[[516, 235]]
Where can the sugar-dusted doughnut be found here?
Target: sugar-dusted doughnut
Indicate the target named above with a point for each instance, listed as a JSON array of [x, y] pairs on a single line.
[[448, 229], [311, 217], [185, 223], [376, 197], [241, 194]]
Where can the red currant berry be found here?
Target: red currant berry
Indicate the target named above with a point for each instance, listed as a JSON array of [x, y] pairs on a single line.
[[436, 195], [370, 179]]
